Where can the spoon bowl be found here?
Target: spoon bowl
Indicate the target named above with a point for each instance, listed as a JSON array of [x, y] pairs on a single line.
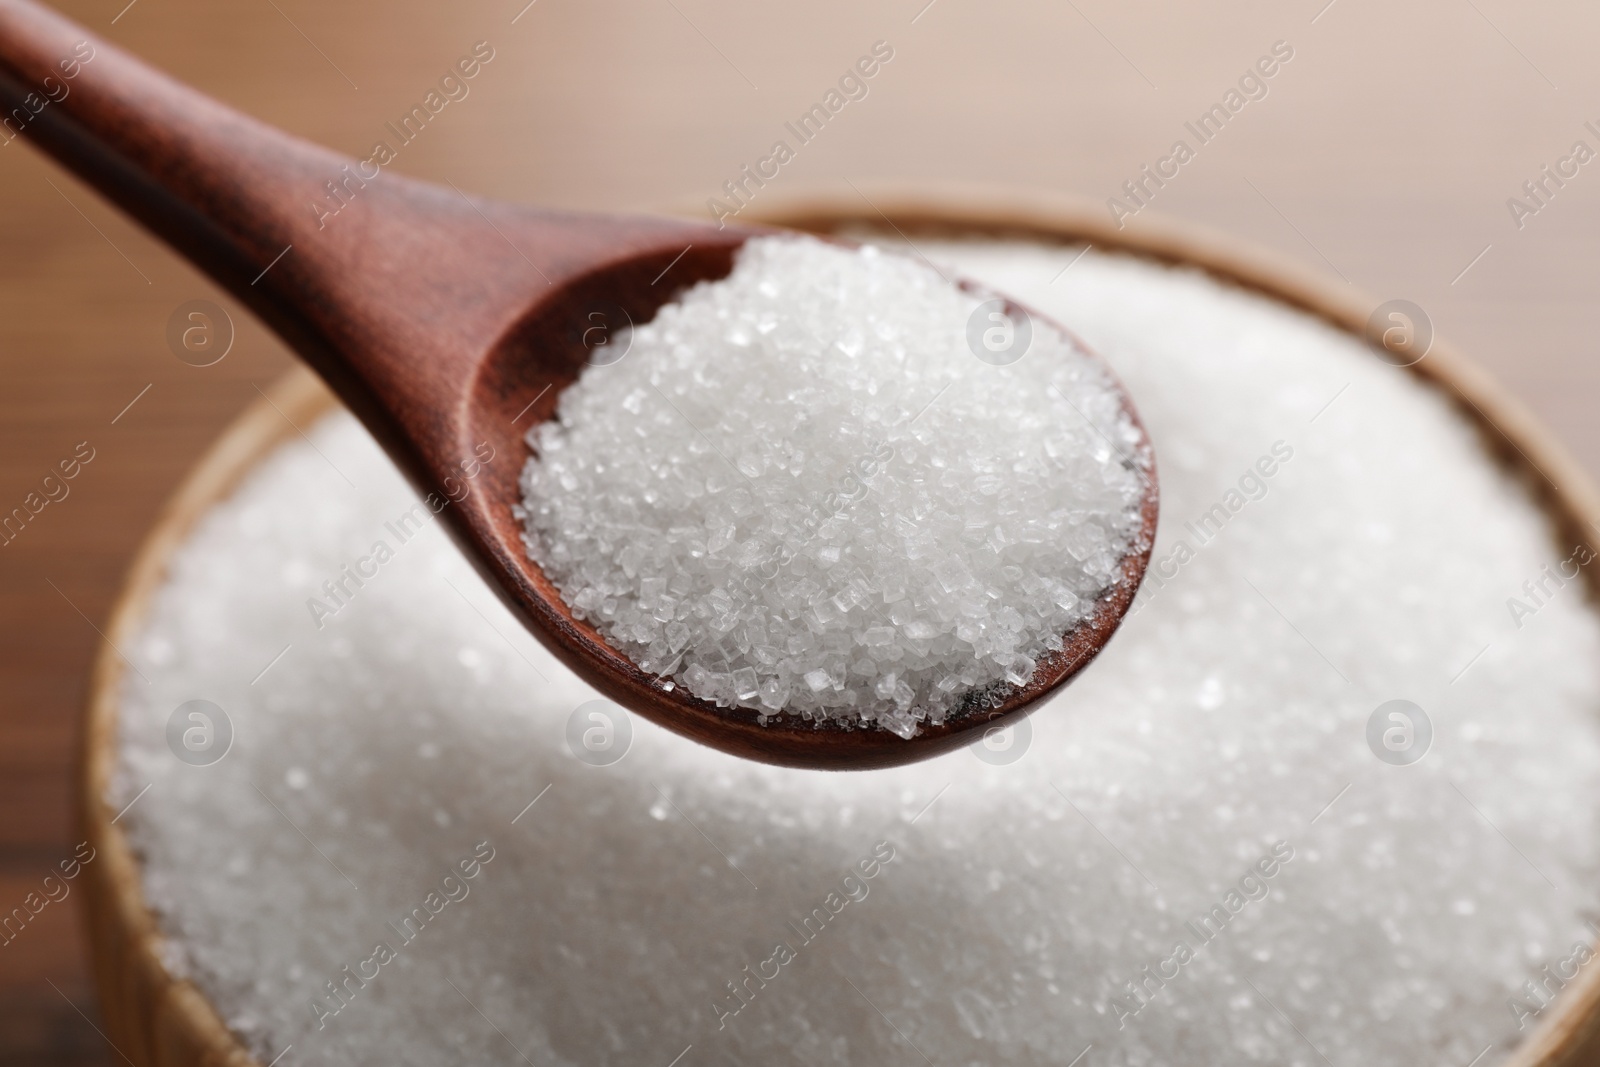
[[449, 325], [518, 385]]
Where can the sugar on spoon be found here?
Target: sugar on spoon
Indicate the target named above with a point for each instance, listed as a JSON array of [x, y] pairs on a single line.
[[443, 322]]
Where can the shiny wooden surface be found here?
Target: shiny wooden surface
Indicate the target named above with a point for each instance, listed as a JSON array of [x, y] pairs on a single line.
[[1385, 152]]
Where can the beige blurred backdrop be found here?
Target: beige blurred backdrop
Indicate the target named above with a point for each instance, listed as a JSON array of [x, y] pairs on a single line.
[[1385, 152]]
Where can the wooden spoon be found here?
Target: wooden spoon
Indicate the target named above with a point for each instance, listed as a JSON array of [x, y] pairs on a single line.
[[445, 323]]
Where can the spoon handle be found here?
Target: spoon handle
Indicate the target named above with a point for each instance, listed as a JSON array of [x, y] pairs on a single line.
[[392, 289], [373, 299], [220, 187]]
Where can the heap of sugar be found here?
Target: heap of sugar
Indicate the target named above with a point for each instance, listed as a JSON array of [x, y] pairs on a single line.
[[802, 492], [1207, 783]]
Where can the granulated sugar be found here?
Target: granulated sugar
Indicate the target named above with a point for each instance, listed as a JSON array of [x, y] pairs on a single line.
[[1207, 782], [801, 491]]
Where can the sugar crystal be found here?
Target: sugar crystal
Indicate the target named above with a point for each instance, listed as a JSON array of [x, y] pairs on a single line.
[[1024, 898], [822, 443]]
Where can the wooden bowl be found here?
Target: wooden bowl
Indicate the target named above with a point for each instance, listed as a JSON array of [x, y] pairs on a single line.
[[157, 1020]]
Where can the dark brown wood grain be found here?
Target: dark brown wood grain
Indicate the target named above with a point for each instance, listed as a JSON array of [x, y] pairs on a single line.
[[446, 324]]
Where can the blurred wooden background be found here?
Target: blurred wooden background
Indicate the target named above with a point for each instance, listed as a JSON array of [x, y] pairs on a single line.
[[1385, 152]]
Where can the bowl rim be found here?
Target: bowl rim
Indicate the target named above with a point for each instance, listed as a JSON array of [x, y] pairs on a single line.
[[165, 1019]]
